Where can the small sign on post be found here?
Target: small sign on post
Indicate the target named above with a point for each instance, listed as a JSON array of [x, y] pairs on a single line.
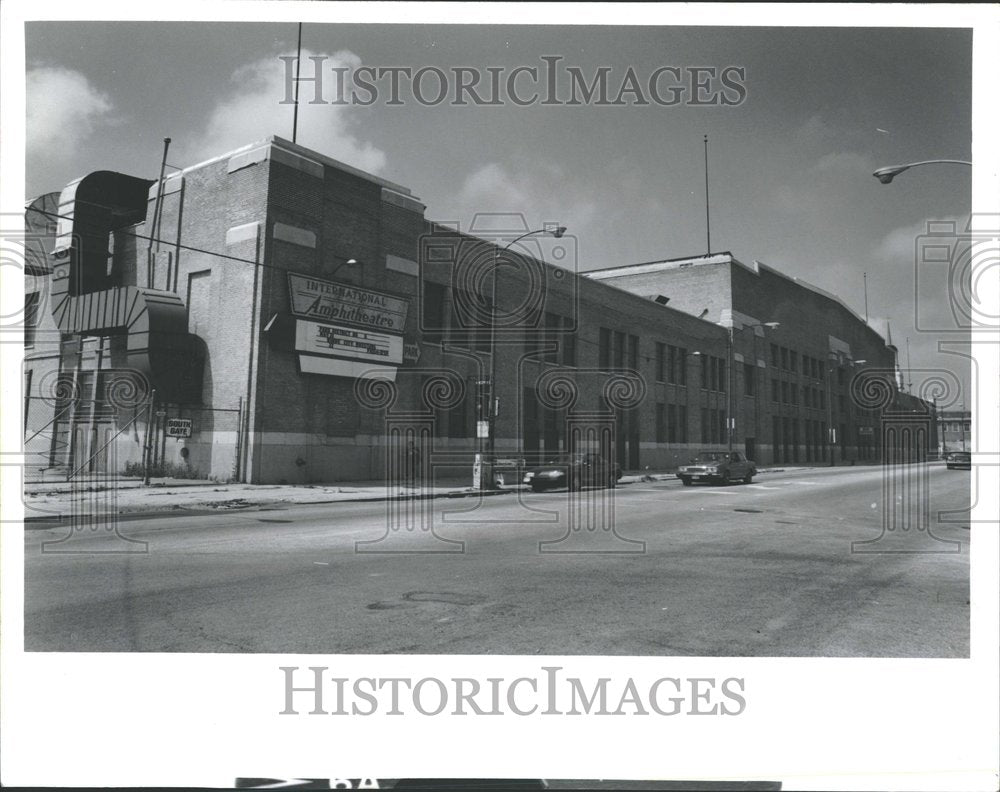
[[482, 429], [178, 427]]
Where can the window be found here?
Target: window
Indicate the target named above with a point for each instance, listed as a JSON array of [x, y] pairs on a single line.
[[619, 350], [822, 400], [671, 423], [30, 317], [458, 425], [433, 319], [775, 390], [553, 339], [748, 379], [704, 425], [774, 355], [661, 427], [704, 372], [793, 392], [568, 342], [604, 349], [713, 420], [807, 396], [661, 351], [784, 358], [793, 360], [682, 376], [722, 374], [784, 392], [682, 423], [722, 425]]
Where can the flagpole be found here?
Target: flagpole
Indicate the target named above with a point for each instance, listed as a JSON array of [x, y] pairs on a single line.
[[298, 64]]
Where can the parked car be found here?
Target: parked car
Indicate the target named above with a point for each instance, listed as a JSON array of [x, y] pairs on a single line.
[[718, 466], [959, 460], [574, 471]]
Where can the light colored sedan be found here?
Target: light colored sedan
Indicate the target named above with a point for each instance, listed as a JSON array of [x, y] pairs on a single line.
[[722, 467]]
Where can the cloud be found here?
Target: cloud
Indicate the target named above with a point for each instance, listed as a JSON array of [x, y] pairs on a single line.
[[847, 162], [523, 197], [254, 110], [63, 110]]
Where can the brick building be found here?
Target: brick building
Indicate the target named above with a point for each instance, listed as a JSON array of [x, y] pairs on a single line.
[[273, 315]]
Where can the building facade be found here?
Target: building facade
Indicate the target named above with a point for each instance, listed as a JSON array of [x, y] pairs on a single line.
[[272, 315]]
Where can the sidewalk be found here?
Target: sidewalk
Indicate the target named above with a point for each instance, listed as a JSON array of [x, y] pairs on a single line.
[[130, 496]]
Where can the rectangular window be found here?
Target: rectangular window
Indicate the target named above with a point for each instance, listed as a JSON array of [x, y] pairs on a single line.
[[822, 400], [682, 423], [713, 419], [553, 338], [793, 360], [682, 376], [671, 423], [604, 349], [619, 351], [774, 355], [30, 317], [661, 351], [661, 427], [784, 392], [568, 343], [784, 358], [748, 379], [704, 425], [433, 317], [704, 372], [775, 390], [722, 375], [793, 393], [807, 396]]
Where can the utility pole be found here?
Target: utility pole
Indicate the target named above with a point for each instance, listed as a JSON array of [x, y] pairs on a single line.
[[866, 298], [708, 221], [298, 66]]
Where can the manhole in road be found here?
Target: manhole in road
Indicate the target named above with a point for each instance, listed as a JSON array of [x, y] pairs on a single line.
[[749, 511], [447, 597]]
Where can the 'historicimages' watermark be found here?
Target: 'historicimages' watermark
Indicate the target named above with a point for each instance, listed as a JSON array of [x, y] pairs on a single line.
[[313, 691], [549, 84]]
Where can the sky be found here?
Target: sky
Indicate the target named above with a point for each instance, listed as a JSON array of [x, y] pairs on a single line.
[[790, 161]]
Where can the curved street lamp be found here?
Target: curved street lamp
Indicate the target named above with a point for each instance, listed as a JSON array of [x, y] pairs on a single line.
[[486, 481], [887, 174]]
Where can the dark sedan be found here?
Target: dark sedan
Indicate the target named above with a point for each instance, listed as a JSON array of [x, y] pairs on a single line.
[[574, 471], [959, 460]]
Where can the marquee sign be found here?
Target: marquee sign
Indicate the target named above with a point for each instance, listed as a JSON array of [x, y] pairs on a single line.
[[327, 301], [347, 342]]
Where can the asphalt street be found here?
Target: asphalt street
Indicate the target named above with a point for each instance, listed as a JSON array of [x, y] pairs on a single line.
[[795, 564]]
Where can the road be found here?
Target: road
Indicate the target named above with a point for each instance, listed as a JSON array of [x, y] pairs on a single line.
[[765, 569]]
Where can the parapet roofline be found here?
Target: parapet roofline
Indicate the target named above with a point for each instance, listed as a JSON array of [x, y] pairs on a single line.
[[721, 258], [299, 150]]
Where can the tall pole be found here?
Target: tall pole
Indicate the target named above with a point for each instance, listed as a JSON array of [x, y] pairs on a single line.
[[156, 214], [866, 298], [708, 222], [298, 65], [730, 418], [909, 370]]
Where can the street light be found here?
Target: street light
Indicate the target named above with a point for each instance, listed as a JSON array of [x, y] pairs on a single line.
[[486, 472], [887, 174], [349, 262]]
